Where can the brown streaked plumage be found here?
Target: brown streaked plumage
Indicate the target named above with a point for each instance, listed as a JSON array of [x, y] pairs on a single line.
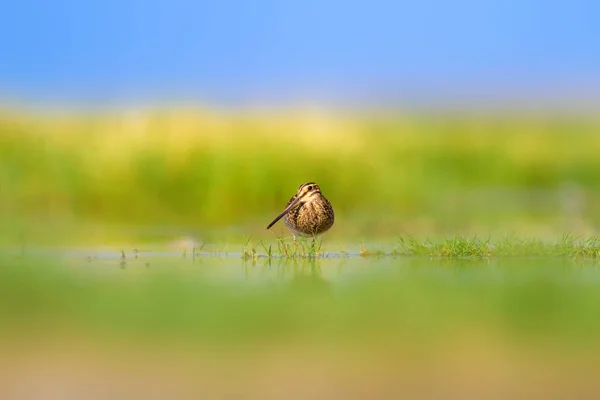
[[308, 213]]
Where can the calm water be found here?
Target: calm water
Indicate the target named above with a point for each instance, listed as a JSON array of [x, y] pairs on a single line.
[[333, 267]]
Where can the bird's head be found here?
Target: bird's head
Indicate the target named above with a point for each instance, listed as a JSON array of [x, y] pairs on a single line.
[[307, 193]]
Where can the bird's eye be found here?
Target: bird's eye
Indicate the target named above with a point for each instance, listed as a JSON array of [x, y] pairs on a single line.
[[310, 188]]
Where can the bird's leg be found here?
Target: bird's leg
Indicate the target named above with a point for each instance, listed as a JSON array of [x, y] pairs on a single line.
[[295, 244], [312, 246]]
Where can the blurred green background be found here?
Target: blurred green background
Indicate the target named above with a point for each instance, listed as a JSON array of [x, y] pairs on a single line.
[[223, 176]]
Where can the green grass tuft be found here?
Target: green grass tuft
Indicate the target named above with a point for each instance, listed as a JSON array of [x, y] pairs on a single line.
[[291, 249], [510, 246], [456, 247]]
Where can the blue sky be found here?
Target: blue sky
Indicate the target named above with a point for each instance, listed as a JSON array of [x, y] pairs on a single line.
[[223, 50]]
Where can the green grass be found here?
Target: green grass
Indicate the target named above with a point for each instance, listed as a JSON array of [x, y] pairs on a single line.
[[293, 248], [465, 247], [456, 247]]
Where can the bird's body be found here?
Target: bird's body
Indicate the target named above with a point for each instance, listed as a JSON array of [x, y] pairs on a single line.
[[308, 213]]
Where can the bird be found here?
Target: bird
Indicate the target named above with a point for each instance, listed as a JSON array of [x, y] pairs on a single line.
[[308, 213]]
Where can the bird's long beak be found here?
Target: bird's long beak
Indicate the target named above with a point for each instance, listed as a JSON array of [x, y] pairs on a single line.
[[287, 209]]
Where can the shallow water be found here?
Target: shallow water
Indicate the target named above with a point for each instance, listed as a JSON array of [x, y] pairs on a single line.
[[331, 266]]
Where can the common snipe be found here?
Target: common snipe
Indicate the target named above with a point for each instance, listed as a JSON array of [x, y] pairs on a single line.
[[308, 213]]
